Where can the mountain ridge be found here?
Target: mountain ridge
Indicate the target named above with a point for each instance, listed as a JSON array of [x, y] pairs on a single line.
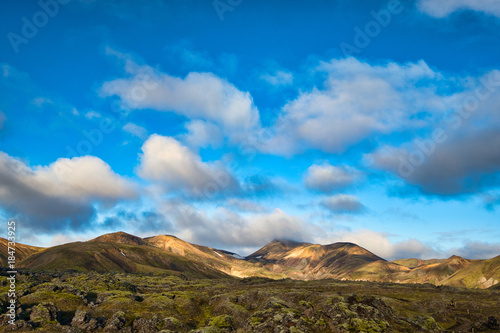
[[279, 259]]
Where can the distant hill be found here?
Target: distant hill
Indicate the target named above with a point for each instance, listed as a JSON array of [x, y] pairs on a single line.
[[22, 251], [115, 257], [276, 250], [313, 261], [221, 260], [122, 252], [121, 238], [414, 262], [479, 274], [434, 271]]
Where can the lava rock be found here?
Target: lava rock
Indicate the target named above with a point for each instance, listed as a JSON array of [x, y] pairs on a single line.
[[143, 325], [45, 311]]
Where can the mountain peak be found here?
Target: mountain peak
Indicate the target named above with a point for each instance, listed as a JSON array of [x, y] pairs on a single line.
[[455, 257], [288, 242], [281, 258], [121, 238]]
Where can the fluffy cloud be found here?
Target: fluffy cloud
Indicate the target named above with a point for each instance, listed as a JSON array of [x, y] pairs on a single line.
[[229, 230], [138, 221], [245, 205], [461, 154], [477, 250], [59, 195], [202, 96], [446, 7], [92, 115], [167, 161], [328, 178], [135, 130], [464, 165], [379, 244], [413, 248], [203, 134], [343, 203], [359, 100]]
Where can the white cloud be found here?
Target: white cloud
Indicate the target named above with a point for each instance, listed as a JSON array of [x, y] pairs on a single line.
[[359, 100], [92, 115], [245, 205], [413, 248], [136, 130], [444, 8], [460, 166], [477, 250], [203, 134], [328, 178], [343, 203], [60, 238], [83, 177], [228, 230], [41, 101], [202, 96], [454, 158], [224, 228], [50, 197], [379, 244], [167, 161], [279, 78]]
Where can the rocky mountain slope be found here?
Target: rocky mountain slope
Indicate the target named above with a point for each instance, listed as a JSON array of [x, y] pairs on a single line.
[[478, 274], [119, 302], [307, 261], [22, 251], [122, 252]]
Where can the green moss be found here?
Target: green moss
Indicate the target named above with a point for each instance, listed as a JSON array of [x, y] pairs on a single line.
[[306, 304], [255, 321], [62, 300], [223, 321], [344, 308], [368, 326], [320, 322], [431, 324]]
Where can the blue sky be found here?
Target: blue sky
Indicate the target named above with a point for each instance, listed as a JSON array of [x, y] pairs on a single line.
[[230, 123]]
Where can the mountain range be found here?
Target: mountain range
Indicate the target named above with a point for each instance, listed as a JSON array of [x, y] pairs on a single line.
[[280, 259]]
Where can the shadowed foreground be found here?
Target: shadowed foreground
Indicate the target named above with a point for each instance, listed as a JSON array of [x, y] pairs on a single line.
[[121, 302]]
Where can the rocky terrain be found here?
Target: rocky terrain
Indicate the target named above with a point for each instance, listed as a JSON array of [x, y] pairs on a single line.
[[123, 283], [155, 302]]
